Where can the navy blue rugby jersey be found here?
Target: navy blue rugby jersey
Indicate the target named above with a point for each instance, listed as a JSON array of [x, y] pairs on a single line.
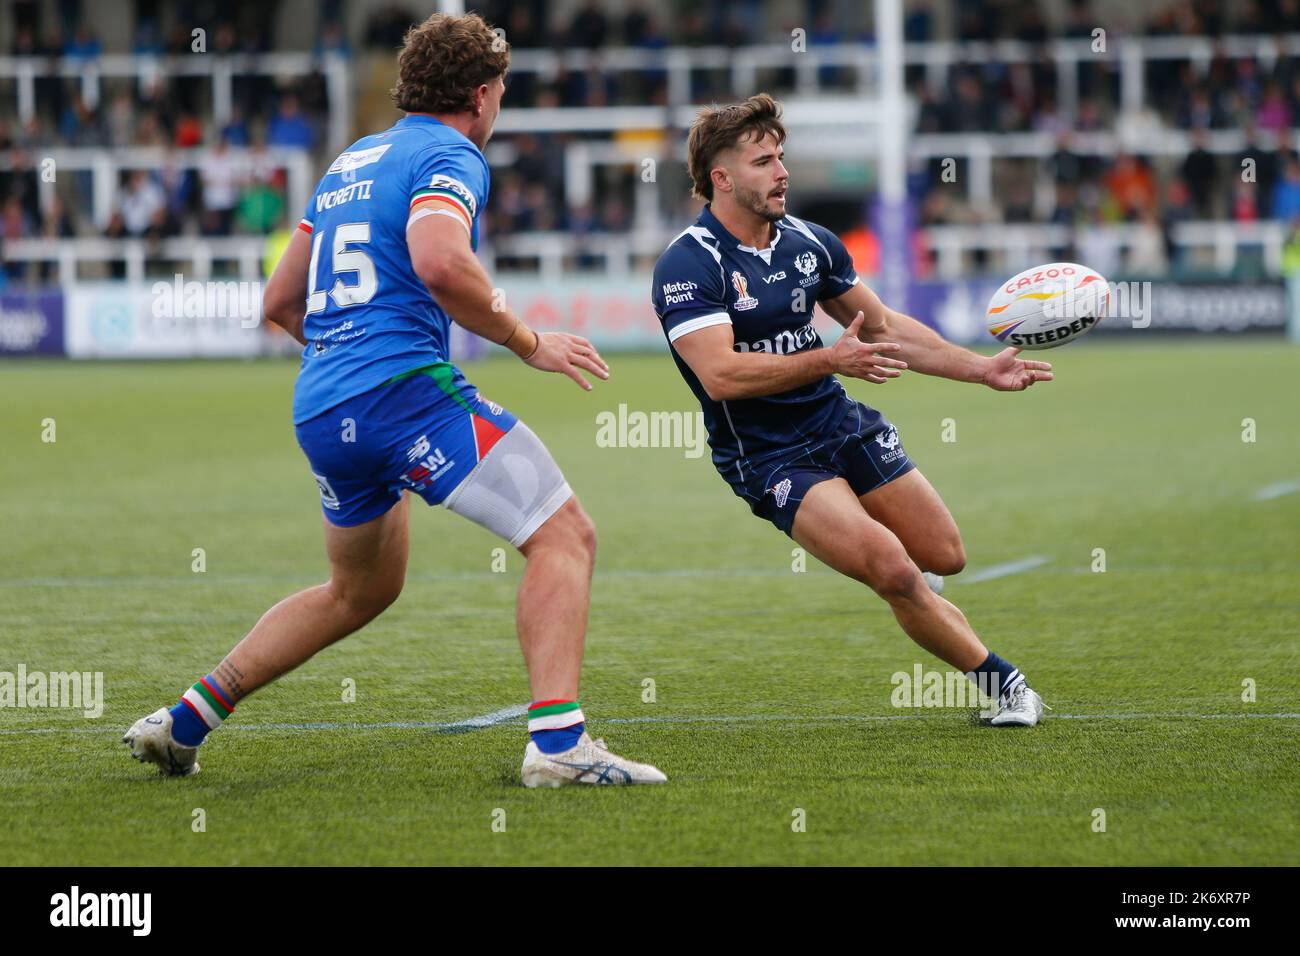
[[708, 277]]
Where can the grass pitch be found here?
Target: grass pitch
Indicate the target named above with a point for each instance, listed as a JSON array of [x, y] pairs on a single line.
[[772, 688]]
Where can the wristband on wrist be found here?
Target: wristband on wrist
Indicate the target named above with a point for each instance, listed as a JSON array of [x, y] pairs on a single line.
[[537, 343]]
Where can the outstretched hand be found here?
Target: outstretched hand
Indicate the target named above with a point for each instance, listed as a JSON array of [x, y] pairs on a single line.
[[568, 355], [1006, 373], [851, 356]]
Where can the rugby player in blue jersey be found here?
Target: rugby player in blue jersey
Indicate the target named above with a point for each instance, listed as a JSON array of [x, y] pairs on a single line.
[[735, 294], [381, 263]]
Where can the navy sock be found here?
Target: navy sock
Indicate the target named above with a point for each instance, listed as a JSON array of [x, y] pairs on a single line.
[[999, 674]]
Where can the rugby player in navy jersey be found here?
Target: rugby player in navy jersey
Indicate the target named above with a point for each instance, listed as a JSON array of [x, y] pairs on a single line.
[[380, 264], [735, 294]]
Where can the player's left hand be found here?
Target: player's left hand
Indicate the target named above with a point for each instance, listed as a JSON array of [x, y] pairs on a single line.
[[1006, 373]]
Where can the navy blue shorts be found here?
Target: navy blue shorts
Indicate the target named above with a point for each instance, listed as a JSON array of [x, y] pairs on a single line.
[[863, 449]]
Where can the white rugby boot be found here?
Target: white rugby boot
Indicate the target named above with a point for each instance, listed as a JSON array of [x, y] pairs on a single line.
[[150, 740], [934, 580], [1022, 708], [589, 762]]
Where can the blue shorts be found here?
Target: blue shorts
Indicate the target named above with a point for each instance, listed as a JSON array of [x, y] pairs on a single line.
[[423, 431], [864, 449]]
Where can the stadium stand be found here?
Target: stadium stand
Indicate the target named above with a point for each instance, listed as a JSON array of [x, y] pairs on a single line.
[[1026, 139]]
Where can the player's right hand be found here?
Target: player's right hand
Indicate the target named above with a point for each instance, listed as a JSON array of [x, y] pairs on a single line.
[[565, 353], [851, 356]]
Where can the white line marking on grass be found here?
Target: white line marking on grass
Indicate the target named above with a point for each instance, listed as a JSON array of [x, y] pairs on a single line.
[[487, 720], [936, 712], [233, 580], [1005, 570], [1277, 490], [510, 714]]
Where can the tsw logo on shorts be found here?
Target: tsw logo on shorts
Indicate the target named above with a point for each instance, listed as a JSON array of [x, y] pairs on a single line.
[[430, 469], [781, 491]]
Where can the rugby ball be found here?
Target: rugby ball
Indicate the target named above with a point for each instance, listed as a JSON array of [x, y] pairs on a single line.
[[1048, 305]]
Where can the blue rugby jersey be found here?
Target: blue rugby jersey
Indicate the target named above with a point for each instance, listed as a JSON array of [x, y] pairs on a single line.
[[708, 277], [369, 317]]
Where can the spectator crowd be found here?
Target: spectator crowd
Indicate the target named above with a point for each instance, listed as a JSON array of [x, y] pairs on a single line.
[[237, 188]]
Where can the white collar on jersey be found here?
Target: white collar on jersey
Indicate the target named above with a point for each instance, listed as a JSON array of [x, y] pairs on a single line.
[[764, 254]]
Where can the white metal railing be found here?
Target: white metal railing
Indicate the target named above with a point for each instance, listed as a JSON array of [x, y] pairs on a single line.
[[853, 116], [1227, 238], [148, 69], [105, 167], [197, 253], [1027, 243], [953, 245], [554, 253], [626, 254], [853, 142], [583, 158]]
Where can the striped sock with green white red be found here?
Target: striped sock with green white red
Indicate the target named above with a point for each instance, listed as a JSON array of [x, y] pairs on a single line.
[[555, 725], [202, 708]]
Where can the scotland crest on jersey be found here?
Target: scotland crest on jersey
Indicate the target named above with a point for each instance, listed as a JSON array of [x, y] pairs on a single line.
[[806, 263]]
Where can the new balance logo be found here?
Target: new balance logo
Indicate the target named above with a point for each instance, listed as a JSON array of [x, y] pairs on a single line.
[[419, 449]]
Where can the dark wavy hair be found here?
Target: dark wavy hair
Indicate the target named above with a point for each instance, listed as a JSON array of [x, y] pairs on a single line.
[[720, 127], [444, 60]]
